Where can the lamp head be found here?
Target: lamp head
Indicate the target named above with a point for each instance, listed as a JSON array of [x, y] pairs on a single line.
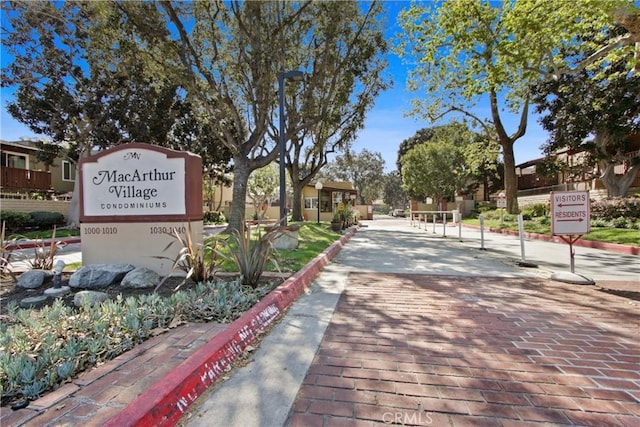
[[295, 75], [59, 266], [318, 185]]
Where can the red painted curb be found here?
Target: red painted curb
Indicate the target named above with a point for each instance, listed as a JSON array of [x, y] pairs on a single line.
[[614, 247], [164, 403]]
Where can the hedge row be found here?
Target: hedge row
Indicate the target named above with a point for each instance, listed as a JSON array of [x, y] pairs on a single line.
[[16, 221]]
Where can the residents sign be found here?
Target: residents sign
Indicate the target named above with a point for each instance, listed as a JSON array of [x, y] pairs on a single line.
[[570, 212]]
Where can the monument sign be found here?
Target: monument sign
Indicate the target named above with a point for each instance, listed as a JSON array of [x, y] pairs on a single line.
[[131, 197]]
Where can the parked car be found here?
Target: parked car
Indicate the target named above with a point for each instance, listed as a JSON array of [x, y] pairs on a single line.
[[398, 213]]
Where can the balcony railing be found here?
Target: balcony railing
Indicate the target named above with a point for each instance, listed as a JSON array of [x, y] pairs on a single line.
[[24, 179]]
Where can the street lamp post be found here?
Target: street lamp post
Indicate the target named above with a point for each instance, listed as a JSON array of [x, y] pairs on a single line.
[[296, 76], [318, 187]]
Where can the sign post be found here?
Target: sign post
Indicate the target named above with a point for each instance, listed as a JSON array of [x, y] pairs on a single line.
[[570, 217], [501, 203]]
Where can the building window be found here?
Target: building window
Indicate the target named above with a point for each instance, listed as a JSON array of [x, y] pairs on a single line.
[[311, 203], [13, 160], [68, 171]]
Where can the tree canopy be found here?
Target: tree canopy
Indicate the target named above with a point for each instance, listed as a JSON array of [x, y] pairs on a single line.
[[86, 93], [594, 112], [467, 52], [365, 170], [443, 161], [393, 193], [228, 56]]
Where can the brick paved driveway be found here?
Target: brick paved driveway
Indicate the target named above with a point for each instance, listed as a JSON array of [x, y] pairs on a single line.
[[457, 351]]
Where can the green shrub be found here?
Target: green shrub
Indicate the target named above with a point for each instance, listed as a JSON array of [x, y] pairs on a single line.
[[610, 209], [527, 214], [545, 220], [44, 219], [15, 220], [599, 223], [620, 222], [212, 217]]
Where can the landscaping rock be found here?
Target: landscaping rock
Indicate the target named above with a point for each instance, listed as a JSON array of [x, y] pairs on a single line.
[[91, 297], [33, 279], [287, 236], [97, 276], [141, 278], [33, 302]]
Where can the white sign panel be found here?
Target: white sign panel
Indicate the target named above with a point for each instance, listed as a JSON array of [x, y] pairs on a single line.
[[134, 181], [570, 212], [502, 200]]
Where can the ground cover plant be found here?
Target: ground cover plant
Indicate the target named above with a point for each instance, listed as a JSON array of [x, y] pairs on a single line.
[[40, 349]]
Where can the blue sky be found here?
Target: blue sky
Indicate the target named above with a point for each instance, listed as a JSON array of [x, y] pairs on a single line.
[[386, 125]]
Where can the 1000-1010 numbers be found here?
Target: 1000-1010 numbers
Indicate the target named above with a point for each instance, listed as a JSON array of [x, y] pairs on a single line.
[[100, 230]]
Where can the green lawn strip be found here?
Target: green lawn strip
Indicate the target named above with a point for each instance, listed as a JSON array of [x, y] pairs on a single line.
[[46, 234], [313, 238], [599, 234]]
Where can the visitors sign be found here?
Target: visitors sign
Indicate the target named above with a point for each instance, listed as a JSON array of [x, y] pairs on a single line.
[[570, 212]]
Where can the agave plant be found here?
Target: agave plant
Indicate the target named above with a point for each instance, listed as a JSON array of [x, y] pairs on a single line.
[[250, 255]]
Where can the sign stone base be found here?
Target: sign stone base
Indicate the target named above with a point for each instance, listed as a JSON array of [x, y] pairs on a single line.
[[141, 244]]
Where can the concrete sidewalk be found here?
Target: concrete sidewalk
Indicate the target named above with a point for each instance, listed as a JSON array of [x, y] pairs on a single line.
[[273, 389]]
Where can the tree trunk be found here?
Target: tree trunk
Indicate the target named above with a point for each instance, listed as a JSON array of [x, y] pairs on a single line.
[[510, 177], [617, 185], [73, 213], [296, 201], [240, 179]]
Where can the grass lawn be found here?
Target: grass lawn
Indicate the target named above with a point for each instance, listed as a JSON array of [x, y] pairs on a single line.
[[622, 236], [313, 239]]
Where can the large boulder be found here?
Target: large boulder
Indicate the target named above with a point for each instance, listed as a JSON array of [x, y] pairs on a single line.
[[33, 279], [141, 278], [89, 297], [98, 276]]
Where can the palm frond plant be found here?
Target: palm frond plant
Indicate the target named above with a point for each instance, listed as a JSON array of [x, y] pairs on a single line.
[[197, 260], [44, 253], [6, 252]]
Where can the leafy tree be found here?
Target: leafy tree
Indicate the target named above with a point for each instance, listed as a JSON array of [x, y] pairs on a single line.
[[393, 193], [480, 155], [601, 103], [443, 165], [468, 51], [229, 56], [83, 92], [365, 170], [262, 187], [344, 57]]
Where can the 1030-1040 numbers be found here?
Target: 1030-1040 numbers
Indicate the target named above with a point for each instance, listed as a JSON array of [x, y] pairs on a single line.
[[156, 229]]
